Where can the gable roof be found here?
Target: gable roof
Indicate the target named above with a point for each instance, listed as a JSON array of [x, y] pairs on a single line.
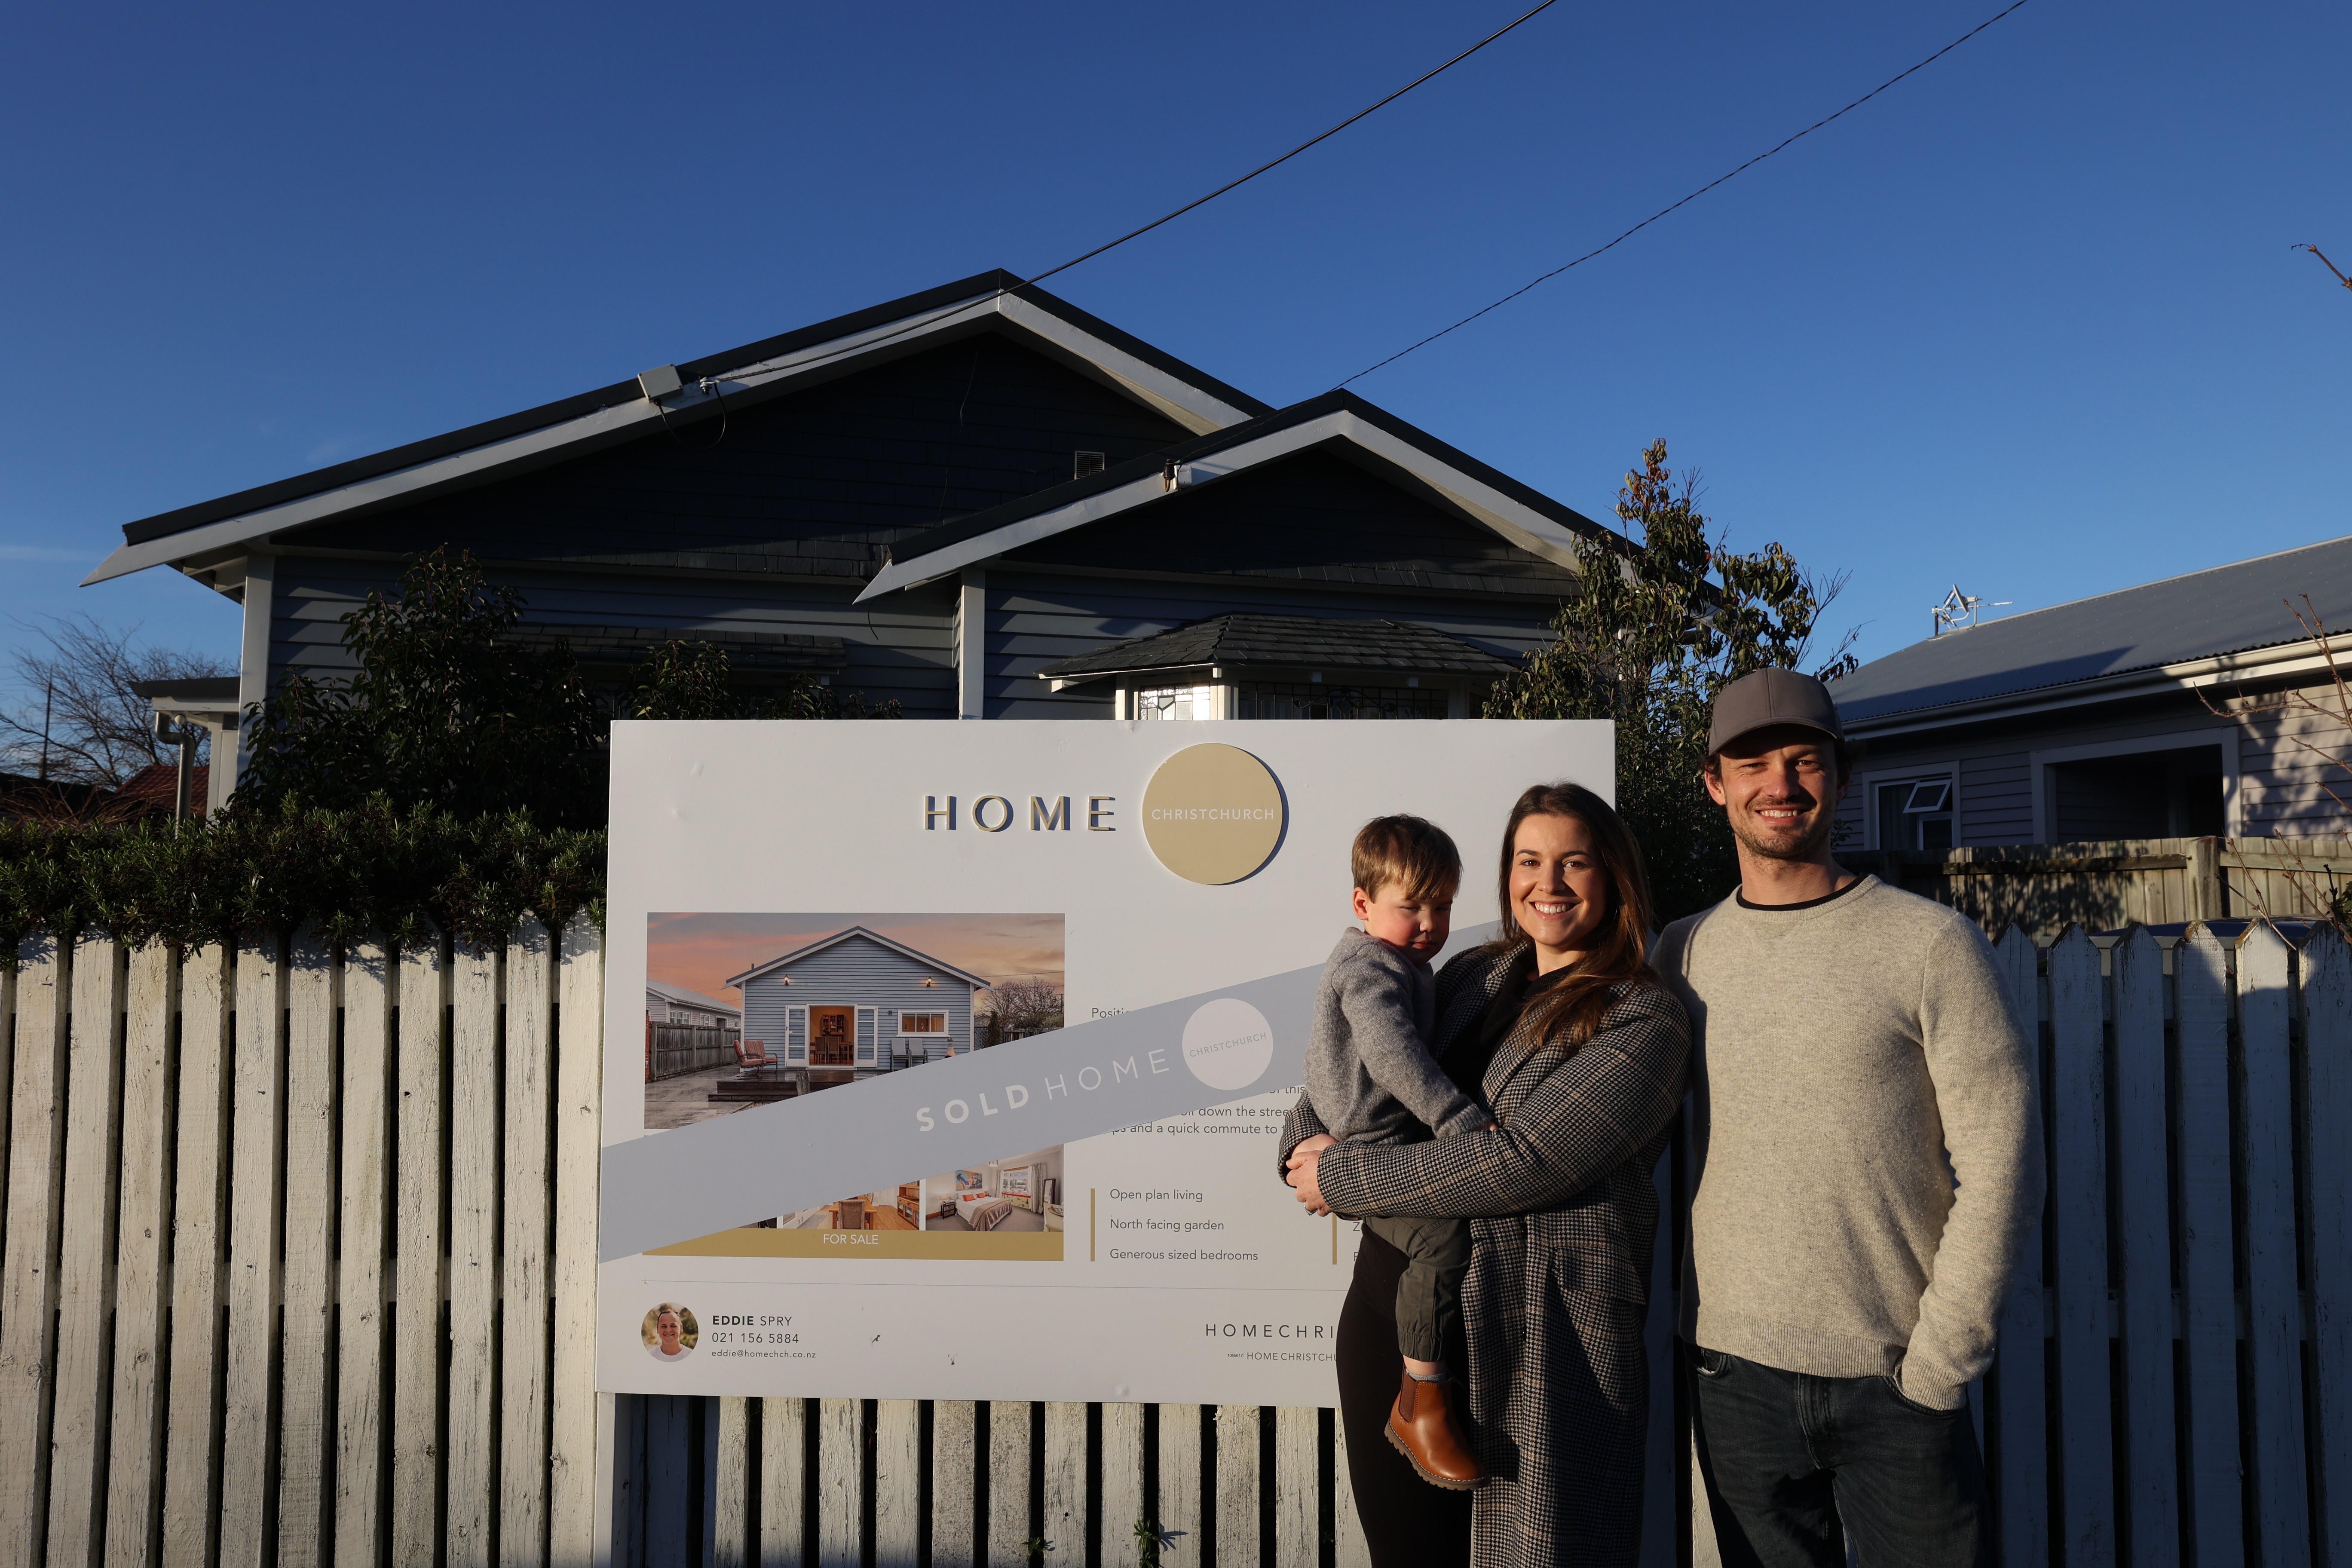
[[679, 993], [1310, 640], [1454, 479], [995, 300], [815, 947], [2110, 644]]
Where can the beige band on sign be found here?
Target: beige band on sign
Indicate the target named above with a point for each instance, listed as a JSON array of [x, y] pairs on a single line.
[[1212, 813]]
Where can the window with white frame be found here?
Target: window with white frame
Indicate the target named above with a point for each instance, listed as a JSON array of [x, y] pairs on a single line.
[[1177, 702], [1917, 814], [922, 1022]]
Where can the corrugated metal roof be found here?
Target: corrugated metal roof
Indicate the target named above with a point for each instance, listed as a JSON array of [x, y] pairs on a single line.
[[681, 995], [1288, 640], [2223, 610]]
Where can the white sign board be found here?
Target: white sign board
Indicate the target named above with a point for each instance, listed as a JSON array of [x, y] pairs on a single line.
[[897, 1178]]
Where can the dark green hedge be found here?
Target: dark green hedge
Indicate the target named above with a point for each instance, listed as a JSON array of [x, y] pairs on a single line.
[[370, 867]]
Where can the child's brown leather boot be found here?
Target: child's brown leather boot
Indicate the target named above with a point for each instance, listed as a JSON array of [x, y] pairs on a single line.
[[1426, 1429]]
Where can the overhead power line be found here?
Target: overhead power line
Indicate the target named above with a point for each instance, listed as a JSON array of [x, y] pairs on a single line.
[[1302, 147], [1694, 195], [1188, 207]]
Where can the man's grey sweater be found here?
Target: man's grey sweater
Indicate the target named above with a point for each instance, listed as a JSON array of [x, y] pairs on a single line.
[[1368, 1071], [1866, 1148]]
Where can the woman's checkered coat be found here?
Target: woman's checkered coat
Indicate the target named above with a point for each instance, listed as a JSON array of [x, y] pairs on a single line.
[[1562, 1213]]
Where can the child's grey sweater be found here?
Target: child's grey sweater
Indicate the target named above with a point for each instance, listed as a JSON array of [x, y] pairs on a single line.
[[1368, 1071]]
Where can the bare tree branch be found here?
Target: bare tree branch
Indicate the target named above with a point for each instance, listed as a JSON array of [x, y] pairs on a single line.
[[99, 731]]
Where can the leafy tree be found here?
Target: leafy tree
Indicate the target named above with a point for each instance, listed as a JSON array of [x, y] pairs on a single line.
[[687, 680], [1653, 633], [446, 709]]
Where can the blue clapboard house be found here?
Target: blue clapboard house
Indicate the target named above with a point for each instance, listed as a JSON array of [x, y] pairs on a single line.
[[855, 1003], [979, 500]]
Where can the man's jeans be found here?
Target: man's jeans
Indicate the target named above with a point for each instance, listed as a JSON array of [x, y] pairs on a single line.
[[1795, 1463]]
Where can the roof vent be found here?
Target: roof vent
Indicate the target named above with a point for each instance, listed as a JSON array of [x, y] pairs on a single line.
[[1085, 463], [659, 382]]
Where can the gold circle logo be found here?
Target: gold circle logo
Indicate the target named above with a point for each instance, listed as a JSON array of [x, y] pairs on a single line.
[[1212, 813]]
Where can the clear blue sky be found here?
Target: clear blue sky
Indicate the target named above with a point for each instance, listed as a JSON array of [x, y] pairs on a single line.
[[2030, 322]]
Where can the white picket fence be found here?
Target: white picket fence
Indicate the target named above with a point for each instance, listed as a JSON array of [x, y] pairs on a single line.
[[299, 1264]]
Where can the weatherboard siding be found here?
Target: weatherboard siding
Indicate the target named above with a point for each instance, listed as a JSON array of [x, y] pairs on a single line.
[[2292, 778], [1996, 803], [900, 648], [860, 974]]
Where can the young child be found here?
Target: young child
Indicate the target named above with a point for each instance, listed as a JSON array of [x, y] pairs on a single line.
[[1371, 1079]]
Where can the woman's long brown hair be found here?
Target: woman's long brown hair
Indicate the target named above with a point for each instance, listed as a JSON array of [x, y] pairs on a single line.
[[1620, 949]]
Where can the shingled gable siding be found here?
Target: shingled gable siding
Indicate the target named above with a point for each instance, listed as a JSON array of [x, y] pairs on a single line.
[[1036, 618], [860, 972], [899, 647], [816, 483]]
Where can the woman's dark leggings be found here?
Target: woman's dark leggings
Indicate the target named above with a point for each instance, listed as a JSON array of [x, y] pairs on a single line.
[[1408, 1523]]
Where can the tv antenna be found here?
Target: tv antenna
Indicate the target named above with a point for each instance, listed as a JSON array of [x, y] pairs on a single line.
[[1959, 609]]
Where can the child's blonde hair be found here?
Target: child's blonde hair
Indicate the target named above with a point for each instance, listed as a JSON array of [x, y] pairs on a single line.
[[1410, 851]]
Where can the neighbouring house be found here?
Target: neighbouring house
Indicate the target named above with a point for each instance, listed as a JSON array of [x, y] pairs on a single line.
[[979, 500], [855, 1003], [198, 709], [2166, 711], [668, 1004]]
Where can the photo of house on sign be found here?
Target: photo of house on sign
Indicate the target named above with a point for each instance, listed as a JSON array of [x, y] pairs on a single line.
[[829, 1001]]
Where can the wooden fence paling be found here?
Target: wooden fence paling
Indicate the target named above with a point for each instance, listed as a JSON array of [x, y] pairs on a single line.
[[2208, 1301], [522, 1272], [134, 1500], [2078, 1211], [2021, 1477], [311, 1204], [418, 1279], [199, 1259], [2144, 1232], [955, 1438], [2273, 1305], [1064, 1527], [2328, 1112], [1123, 1502], [475, 1155], [841, 1482], [1238, 1478], [257, 1198], [784, 1496], [260, 1221], [579, 1139], [29, 1279], [1008, 1483], [365, 1244], [86, 1251]]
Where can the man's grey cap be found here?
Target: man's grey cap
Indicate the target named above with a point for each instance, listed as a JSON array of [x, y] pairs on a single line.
[[1770, 696]]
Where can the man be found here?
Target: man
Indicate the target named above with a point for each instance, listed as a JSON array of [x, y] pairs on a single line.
[[1867, 1160]]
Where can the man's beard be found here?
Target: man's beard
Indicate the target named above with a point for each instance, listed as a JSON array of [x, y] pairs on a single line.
[[1802, 849]]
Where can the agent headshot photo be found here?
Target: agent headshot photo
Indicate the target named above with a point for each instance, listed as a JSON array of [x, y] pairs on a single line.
[[670, 1332]]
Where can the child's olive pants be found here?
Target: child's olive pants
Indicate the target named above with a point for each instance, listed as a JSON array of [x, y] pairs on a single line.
[[1429, 1296]]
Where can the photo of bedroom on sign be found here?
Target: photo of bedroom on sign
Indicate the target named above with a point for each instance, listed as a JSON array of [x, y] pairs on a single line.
[[749, 1009]]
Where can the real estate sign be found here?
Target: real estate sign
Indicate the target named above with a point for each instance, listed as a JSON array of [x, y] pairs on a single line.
[[1022, 1007]]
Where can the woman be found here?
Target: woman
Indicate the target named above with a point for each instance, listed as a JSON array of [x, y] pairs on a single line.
[[1561, 1030]]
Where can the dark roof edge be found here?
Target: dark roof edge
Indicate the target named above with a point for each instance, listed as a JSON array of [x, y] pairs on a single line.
[[1111, 478], [1158, 359], [995, 280]]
